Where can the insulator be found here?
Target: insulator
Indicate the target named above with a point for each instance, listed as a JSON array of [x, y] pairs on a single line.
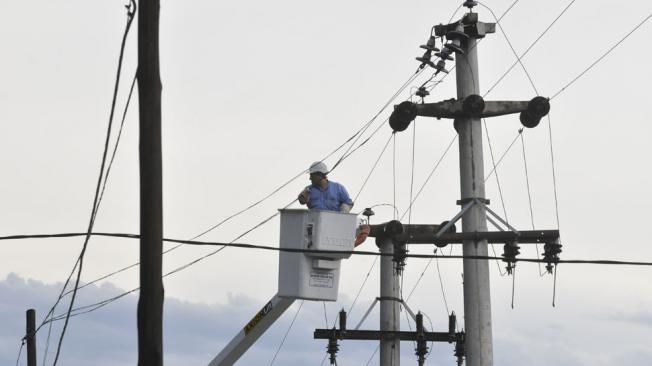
[[473, 105], [459, 348], [551, 254], [332, 349], [342, 320], [400, 253], [470, 4], [402, 115], [422, 92], [452, 320], [444, 56], [430, 45], [368, 212], [510, 251], [537, 108], [457, 35], [440, 67], [392, 228], [422, 346], [454, 46], [425, 62], [427, 56]]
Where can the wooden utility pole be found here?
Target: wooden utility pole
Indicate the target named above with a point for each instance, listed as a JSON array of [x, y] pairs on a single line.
[[150, 303], [30, 337]]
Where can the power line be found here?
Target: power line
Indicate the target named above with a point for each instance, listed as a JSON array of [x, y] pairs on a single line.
[[131, 10], [382, 152], [432, 171], [518, 59], [601, 57], [530, 47], [554, 176], [313, 251], [529, 197], [520, 130], [20, 350], [345, 156], [286, 333]]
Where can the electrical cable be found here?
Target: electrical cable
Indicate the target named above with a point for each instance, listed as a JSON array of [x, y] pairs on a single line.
[[357, 295], [47, 344], [601, 57], [131, 10], [180, 268], [554, 176], [368, 124], [441, 285], [382, 152], [313, 251], [394, 169], [117, 140], [419, 279], [106, 177], [504, 153], [530, 47], [286, 333], [264, 198], [20, 350], [529, 196], [432, 171], [518, 59], [325, 315], [500, 190], [414, 143], [372, 355]]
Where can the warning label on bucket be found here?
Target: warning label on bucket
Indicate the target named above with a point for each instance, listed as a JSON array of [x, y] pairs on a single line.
[[321, 279]]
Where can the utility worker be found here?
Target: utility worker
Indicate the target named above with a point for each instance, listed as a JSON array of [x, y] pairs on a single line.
[[324, 194]]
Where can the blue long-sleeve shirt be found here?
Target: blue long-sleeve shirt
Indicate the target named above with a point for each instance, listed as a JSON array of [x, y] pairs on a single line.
[[329, 199]]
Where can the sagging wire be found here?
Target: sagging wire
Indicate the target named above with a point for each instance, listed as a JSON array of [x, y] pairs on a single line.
[[500, 190], [20, 350], [520, 131], [131, 11], [432, 171], [382, 152], [346, 155], [601, 57], [394, 169], [529, 196], [518, 59], [286, 333], [530, 47]]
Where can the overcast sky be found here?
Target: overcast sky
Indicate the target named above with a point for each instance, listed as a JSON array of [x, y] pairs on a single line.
[[255, 91]]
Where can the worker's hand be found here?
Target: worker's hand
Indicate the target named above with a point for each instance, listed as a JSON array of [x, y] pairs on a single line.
[[304, 196], [345, 208]]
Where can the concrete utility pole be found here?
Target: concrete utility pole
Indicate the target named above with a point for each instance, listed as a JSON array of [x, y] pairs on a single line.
[[30, 337], [477, 300], [150, 302], [390, 300]]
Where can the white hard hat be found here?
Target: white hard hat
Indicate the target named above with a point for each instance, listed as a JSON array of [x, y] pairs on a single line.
[[318, 167]]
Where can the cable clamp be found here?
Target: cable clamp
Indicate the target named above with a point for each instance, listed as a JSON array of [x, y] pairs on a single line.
[[464, 201], [389, 298]]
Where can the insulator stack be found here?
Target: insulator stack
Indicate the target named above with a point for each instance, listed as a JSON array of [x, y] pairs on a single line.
[[510, 251], [551, 254]]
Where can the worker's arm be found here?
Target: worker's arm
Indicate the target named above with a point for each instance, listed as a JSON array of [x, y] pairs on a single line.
[[346, 203], [304, 196]]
